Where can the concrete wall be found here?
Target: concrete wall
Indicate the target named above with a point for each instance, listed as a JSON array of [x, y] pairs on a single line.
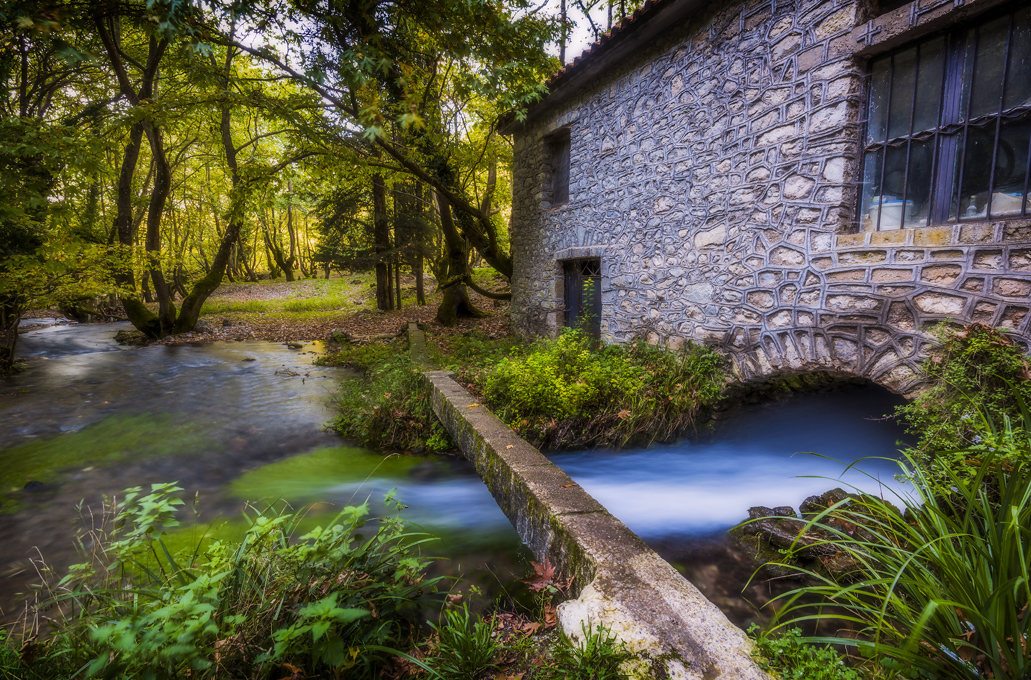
[[619, 582], [715, 174]]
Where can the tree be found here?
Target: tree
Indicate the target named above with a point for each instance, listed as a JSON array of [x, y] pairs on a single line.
[[418, 66]]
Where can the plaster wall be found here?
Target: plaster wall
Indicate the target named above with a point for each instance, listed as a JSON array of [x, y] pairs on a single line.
[[715, 176]]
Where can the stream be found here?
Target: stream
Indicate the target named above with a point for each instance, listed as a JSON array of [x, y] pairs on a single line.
[[243, 421]]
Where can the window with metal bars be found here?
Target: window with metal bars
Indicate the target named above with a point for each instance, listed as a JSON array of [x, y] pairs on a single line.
[[582, 288], [949, 127]]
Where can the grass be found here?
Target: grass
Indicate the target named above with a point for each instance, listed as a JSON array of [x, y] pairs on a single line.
[[940, 590], [305, 300]]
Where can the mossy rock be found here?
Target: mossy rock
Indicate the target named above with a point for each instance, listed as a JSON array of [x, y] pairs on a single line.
[[133, 338]]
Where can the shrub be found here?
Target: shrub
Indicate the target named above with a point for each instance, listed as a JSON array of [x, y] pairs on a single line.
[[390, 409], [790, 657], [568, 392], [335, 598], [941, 590], [974, 374]]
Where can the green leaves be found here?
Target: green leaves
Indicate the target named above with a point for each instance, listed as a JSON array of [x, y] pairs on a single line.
[[569, 392], [941, 590]]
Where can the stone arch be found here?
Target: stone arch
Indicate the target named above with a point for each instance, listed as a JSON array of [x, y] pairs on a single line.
[[855, 348]]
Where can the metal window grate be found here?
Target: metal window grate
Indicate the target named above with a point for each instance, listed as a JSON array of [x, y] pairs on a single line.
[[949, 127], [582, 291]]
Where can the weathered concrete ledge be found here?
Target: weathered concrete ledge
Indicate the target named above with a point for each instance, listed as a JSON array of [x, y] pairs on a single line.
[[622, 584]]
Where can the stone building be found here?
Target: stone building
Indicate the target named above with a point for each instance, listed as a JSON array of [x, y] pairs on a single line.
[[810, 184]]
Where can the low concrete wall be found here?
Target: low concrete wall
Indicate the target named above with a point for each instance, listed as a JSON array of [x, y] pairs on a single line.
[[622, 584]]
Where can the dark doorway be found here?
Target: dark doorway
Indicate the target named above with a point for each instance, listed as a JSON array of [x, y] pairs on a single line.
[[583, 295]]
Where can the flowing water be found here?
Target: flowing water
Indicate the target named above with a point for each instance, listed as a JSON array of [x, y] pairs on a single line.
[[244, 421]]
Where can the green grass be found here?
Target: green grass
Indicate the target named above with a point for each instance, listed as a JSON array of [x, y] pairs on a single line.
[[307, 300]]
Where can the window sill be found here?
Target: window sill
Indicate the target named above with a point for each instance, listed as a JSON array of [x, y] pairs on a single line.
[[965, 234]]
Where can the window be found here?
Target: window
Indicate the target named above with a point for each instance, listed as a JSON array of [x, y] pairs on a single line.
[[949, 130], [582, 290], [558, 158]]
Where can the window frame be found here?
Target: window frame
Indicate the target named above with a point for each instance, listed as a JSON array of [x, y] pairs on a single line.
[[576, 272], [950, 137], [558, 150]]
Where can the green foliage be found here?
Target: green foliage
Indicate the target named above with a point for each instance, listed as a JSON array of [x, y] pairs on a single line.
[[568, 391], [335, 598], [471, 357], [974, 374], [465, 649], [597, 657], [940, 591], [362, 357], [390, 409], [790, 657]]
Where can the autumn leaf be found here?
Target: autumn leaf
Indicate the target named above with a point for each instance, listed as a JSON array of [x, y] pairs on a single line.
[[550, 616], [544, 576]]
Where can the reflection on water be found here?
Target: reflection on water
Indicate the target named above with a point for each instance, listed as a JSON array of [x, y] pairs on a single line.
[[244, 420]]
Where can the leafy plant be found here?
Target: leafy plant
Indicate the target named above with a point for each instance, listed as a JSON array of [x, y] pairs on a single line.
[[390, 409], [941, 590], [791, 657], [569, 392], [465, 649], [340, 597], [974, 373], [597, 657]]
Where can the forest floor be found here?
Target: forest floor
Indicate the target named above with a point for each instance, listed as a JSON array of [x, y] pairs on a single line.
[[311, 309]]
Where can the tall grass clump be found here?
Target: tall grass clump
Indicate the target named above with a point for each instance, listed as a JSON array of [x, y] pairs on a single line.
[[938, 590], [389, 408], [335, 601], [571, 392]]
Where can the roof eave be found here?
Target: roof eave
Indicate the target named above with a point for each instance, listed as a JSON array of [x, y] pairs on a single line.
[[653, 20]]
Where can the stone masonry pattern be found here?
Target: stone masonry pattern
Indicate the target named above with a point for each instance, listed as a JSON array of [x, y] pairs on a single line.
[[715, 177]]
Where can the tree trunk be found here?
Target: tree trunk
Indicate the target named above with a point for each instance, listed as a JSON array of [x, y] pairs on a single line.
[[10, 316], [381, 242], [456, 302], [420, 291], [397, 282]]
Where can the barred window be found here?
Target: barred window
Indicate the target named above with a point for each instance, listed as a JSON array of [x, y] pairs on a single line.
[[949, 127]]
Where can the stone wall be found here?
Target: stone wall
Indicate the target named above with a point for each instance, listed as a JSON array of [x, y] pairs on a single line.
[[715, 174]]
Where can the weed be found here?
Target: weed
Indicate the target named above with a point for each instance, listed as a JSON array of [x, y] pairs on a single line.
[[390, 409], [940, 590], [597, 657], [976, 372], [569, 392], [338, 597], [465, 649], [792, 658]]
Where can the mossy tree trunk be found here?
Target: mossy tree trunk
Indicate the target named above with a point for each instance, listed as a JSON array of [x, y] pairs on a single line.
[[456, 302]]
